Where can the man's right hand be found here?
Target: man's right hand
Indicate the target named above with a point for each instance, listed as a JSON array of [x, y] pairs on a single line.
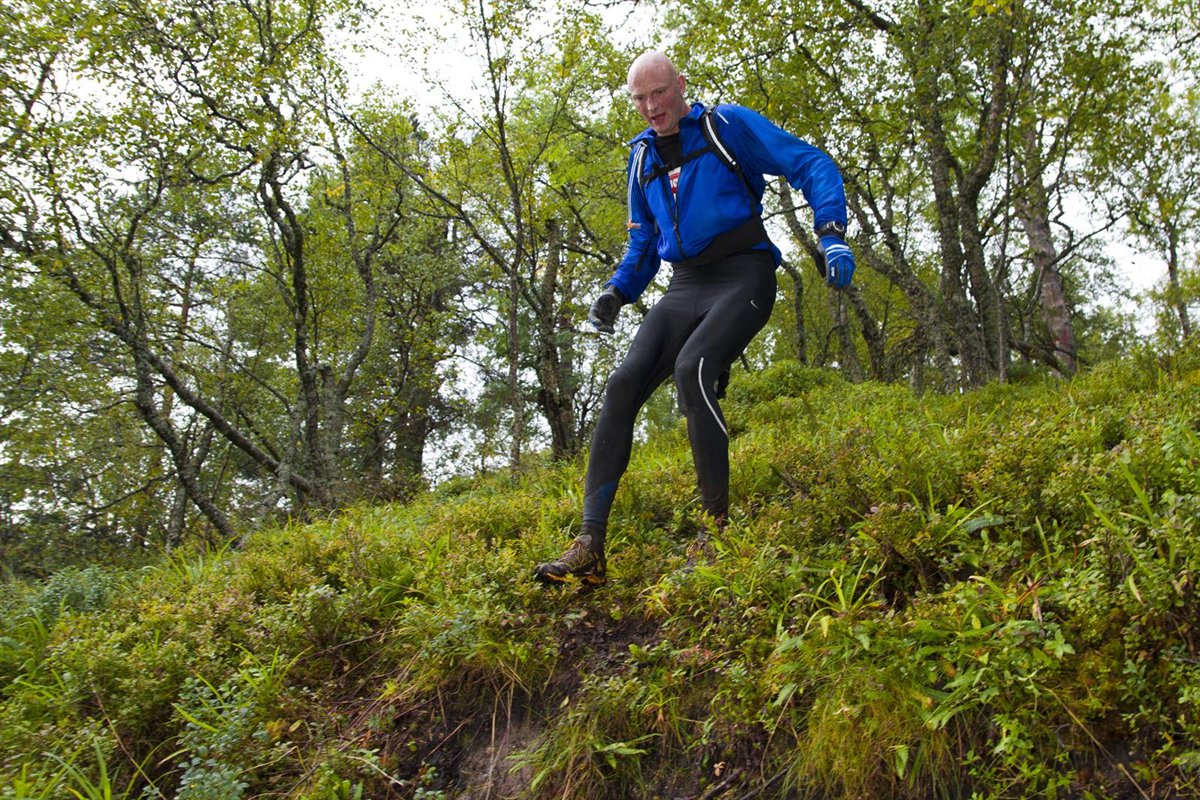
[[603, 314]]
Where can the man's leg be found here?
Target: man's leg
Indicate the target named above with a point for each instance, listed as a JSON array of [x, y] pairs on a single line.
[[738, 305], [648, 363], [629, 387]]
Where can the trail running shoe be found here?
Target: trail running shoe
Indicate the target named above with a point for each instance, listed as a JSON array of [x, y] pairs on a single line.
[[580, 559]]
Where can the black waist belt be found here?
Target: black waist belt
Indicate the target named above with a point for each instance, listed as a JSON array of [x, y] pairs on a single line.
[[743, 237]]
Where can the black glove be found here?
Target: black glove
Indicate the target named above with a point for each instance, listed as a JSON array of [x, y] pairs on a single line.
[[603, 314]]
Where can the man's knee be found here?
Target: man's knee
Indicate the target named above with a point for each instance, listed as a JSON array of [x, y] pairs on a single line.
[[696, 382], [623, 387]]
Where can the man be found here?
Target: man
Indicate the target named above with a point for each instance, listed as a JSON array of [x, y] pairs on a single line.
[[700, 209]]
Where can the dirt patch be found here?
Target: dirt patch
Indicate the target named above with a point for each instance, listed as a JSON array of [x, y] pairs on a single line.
[[485, 771], [590, 642]]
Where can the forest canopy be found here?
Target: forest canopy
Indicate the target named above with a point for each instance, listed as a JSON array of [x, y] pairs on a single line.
[[234, 287]]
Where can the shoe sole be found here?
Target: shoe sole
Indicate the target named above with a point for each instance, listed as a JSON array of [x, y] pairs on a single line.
[[547, 578]]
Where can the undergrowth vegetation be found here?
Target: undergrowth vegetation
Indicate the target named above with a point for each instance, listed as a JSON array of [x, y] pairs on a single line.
[[990, 594]]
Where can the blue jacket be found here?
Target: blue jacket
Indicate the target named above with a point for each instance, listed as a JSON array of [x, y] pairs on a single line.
[[712, 198]]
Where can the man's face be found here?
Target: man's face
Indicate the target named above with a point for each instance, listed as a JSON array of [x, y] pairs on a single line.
[[657, 94]]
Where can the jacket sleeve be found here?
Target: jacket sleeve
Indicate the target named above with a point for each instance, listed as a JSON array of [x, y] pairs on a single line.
[[766, 149], [641, 261]]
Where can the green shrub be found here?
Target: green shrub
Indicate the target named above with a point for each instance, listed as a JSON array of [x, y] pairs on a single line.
[[990, 594]]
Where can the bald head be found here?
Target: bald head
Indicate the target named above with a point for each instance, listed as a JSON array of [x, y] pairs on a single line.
[[656, 89], [652, 63]]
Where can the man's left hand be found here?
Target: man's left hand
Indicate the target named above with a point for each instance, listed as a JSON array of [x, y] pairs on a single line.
[[839, 261]]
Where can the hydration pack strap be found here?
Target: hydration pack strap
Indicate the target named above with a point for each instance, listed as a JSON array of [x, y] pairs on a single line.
[[635, 173], [662, 170], [709, 126]]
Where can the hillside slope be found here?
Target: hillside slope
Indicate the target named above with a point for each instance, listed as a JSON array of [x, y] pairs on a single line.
[[990, 594]]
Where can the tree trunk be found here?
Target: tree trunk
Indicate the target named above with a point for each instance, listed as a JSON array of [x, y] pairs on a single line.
[[1035, 215], [847, 354], [799, 336], [963, 318], [872, 333], [315, 455], [983, 289], [556, 392], [185, 468], [516, 397], [979, 328], [1175, 289], [931, 339]]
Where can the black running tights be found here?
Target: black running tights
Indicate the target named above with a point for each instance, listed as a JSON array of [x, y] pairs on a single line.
[[702, 324]]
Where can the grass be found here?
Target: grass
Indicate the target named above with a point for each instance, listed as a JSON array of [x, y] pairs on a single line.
[[986, 595]]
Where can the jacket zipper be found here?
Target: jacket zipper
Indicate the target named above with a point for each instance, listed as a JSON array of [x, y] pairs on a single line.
[[674, 200]]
